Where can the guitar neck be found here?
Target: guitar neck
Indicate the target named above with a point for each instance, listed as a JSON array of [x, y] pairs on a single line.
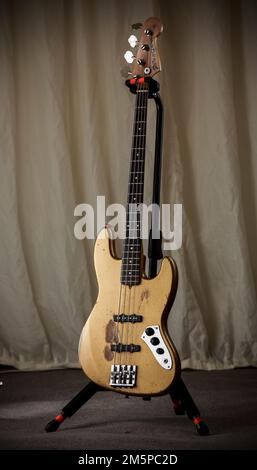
[[132, 247]]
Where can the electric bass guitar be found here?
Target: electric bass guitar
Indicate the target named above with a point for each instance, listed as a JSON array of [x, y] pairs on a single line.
[[125, 345]]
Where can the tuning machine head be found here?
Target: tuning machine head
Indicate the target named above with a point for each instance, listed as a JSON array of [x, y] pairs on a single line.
[[133, 41], [129, 57]]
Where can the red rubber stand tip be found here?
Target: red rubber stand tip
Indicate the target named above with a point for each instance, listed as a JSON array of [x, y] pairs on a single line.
[[54, 424], [201, 427]]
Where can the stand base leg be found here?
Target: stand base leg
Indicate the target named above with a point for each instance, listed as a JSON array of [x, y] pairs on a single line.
[[181, 398], [82, 397], [183, 402]]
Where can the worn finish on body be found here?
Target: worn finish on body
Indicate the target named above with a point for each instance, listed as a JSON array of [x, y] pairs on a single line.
[[152, 299]]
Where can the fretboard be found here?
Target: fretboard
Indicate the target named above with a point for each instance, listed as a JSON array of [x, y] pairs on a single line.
[[132, 245]]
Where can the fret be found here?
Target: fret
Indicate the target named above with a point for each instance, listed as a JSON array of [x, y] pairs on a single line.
[[132, 265], [129, 247], [132, 252], [128, 241], [133, 280], [132, 212], [129, 268], [134, 195], [129, 262], [133, 271], [136, 180], [132, 277]]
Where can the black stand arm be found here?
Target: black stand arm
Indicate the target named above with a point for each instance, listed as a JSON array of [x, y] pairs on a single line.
[[155, 244], [79, 400]]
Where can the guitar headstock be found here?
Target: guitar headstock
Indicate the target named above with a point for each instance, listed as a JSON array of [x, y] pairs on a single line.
[[146, 62]]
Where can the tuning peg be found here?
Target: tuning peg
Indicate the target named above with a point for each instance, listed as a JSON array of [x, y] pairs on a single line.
[[129, 57], [136, 26], [133, 41]]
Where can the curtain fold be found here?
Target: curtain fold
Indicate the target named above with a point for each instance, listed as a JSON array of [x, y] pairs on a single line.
[[65, 137]]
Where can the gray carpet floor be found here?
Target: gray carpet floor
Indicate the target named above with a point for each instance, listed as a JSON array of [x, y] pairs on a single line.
[[28, 400]]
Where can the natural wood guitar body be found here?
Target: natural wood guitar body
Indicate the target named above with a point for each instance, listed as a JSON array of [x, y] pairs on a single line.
[[152, 299]]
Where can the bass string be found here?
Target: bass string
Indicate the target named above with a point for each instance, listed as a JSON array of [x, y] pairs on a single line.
[[138, 183], [116, 329], [144, 119], [126, 288], [137, 142], [122, 293]]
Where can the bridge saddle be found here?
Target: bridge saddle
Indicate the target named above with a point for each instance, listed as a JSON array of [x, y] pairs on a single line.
[[123, 375]]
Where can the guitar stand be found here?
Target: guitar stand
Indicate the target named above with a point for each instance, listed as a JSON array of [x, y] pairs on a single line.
[[180, 396]]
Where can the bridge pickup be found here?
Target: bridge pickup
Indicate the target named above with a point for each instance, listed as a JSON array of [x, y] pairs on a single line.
[[127, 318], [123, 375], [119, 347]]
